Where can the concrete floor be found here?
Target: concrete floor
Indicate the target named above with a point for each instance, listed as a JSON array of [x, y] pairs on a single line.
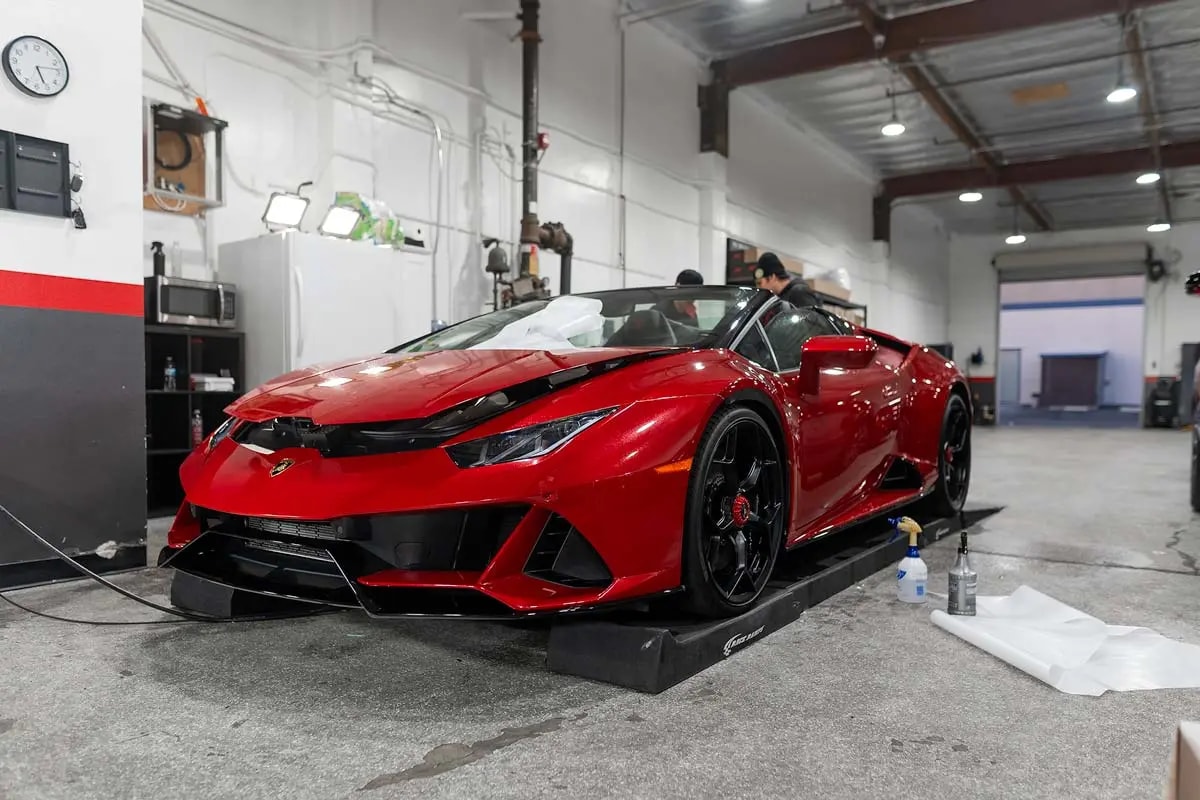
[[861, 698]]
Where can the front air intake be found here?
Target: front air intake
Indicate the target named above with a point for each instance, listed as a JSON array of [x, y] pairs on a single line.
[[562, 555]]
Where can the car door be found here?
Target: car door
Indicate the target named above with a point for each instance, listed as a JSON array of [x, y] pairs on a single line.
[[868, 403], [823, 426]]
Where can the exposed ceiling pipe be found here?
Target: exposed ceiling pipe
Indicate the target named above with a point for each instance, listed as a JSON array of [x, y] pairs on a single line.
[[530, 39], [552, 236]]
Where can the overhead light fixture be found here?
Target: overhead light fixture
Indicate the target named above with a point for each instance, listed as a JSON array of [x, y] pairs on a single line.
[[1158, 227], [971, 196], [1148, 177], [340, 221], [286, 209], [1123, 93], [893, 127], [1016, 237]]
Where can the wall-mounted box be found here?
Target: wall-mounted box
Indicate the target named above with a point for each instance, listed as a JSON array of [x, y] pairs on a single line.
[[35, 175], [184, 160]]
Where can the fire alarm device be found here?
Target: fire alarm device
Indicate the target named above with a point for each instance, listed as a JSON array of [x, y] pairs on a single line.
[[543, 140], [35, 66]]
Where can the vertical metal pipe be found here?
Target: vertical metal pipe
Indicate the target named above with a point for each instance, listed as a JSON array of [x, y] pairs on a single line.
[[530, 39]]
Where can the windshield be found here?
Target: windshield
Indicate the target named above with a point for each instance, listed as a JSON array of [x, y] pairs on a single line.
[[676, 316]]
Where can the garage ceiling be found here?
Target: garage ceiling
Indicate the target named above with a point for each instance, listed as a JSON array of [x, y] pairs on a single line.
[[975, 103]]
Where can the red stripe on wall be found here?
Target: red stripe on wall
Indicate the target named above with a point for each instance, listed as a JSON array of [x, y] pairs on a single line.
[[982, 379], [55, 293]]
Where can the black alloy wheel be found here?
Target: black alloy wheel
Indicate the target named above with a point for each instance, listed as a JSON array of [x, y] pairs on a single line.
[[954, 459], [736, 514]]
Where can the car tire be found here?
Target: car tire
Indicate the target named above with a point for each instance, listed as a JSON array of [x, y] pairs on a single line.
[[954, 459], [1196, 472], [736, 514]]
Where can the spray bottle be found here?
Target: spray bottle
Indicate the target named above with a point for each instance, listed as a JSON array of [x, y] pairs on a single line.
[[912, 573], [963, 581]]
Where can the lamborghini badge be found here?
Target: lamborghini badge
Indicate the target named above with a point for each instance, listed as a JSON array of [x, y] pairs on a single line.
[[281, 466]]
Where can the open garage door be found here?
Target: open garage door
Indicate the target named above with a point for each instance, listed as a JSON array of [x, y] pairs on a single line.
[[1064, 263]]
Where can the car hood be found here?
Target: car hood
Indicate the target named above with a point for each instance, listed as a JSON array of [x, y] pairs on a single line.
[[408, 385]]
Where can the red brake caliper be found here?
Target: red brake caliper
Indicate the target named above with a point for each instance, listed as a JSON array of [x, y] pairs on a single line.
[[740, 511]]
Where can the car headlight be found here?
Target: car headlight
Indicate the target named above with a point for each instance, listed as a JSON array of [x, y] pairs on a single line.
[[524, 443], [219, 434]]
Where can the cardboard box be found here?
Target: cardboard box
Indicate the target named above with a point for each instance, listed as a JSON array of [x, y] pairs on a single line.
[[831, 288], [1184, 781], [795, 266]]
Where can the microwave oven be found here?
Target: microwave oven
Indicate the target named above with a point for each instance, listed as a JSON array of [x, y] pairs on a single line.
[[177, 301]]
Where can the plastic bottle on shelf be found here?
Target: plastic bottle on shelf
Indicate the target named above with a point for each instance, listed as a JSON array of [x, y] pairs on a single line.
[[197, 428], [169, 375]]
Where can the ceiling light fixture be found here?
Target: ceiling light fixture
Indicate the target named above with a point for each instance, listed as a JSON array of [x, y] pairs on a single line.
[[1147, 178], [1016, 237], [971, 196], [893, 127], [1158, 227], [1123, 93]]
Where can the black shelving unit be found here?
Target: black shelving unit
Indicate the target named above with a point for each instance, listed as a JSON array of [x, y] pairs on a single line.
[[169, 412]]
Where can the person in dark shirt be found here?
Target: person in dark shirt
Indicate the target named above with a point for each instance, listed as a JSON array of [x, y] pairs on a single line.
[[683, 311], [772, 276]]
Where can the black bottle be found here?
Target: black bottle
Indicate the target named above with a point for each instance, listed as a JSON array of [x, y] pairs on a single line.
[[160, 259]]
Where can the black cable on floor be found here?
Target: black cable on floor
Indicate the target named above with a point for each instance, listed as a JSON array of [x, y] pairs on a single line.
[[43, 614], [186, 616]]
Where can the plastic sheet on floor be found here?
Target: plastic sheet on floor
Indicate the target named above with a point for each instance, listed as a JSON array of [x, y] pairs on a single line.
[[1070, 650]]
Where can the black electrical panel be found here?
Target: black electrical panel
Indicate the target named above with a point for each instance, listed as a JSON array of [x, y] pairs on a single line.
[[35, 175]]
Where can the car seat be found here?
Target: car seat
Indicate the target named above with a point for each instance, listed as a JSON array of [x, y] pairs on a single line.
[[645, 328]]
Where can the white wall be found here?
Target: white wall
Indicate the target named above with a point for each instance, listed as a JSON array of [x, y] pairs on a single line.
[[97, 117], [1171, 317], [640, 200]]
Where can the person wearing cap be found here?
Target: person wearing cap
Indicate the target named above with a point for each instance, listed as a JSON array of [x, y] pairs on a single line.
[[772, 275], [683, 311]]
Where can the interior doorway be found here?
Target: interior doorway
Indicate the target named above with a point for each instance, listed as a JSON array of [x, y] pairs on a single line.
[[1071, 352]]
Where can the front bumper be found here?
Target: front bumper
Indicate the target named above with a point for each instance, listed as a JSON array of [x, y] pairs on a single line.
[[499, 561]]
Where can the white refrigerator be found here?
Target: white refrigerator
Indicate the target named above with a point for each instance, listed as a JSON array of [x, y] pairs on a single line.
[[306, 299]]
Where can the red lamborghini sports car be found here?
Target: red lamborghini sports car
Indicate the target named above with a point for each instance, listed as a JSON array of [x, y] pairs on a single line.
[[572, 453]]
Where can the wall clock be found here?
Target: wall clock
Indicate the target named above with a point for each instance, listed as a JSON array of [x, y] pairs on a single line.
[[35, 66]]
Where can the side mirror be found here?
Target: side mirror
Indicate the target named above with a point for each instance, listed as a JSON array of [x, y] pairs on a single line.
[[833, 352], [1193, 284]]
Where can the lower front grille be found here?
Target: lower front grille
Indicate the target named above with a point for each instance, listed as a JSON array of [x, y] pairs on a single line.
[[290, 549], [300, 530], [275, 567], [446, 540]]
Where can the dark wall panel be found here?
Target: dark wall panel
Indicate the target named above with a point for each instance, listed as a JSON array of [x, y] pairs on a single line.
[[72, 444]]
